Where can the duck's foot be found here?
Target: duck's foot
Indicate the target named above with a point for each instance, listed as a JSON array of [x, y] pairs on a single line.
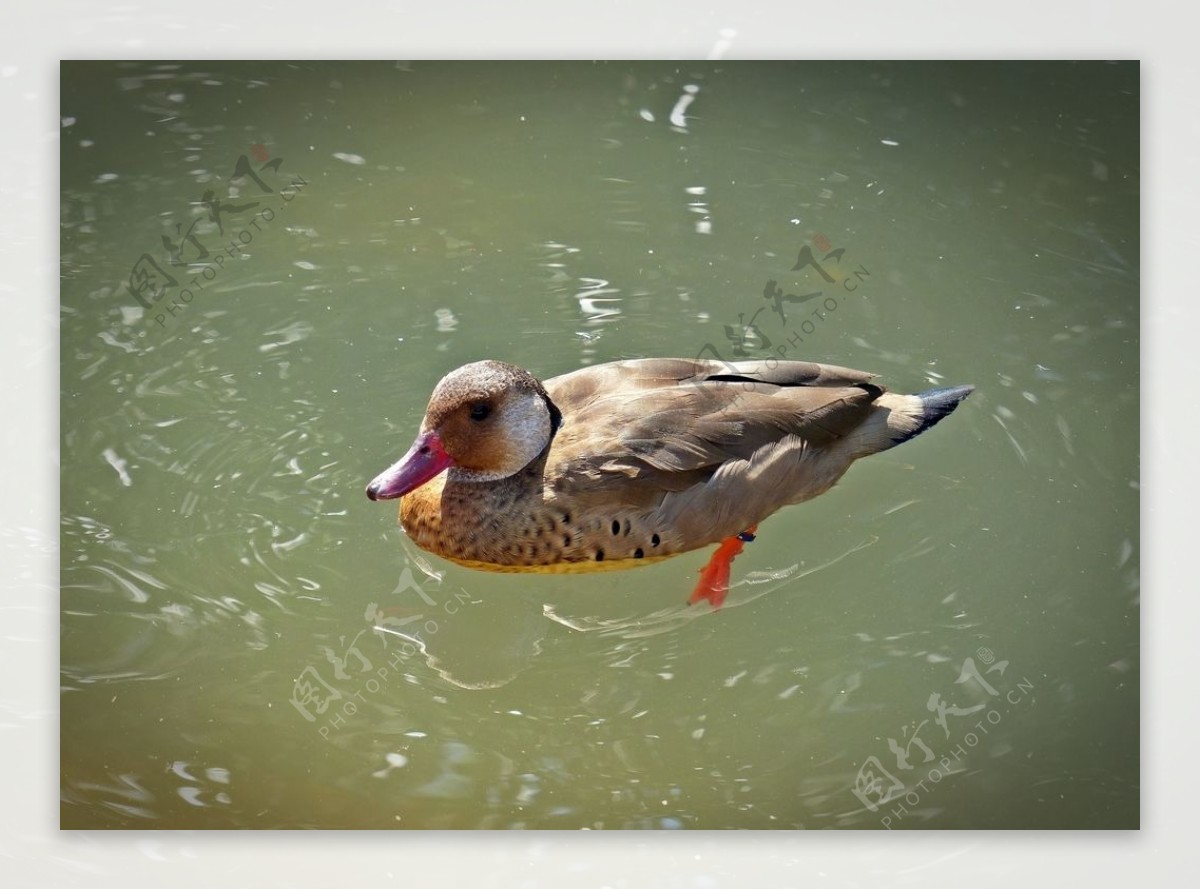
[[714, 577]]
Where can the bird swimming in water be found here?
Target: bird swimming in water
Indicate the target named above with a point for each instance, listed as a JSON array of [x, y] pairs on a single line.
[[626, 463]]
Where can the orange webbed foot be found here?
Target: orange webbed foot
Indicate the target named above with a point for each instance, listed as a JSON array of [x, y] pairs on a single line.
[[714, 577]]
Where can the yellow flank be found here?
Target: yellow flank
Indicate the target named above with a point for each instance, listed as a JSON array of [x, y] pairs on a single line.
[[562, 568], [426, 500]]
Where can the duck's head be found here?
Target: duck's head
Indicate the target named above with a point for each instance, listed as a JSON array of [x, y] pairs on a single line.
[[485, 421]]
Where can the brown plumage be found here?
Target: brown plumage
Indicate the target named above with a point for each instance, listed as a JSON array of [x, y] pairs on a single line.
[[629, 462]]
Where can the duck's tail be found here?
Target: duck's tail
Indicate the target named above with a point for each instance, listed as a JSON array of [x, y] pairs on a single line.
[[899, 417], [934, 405]]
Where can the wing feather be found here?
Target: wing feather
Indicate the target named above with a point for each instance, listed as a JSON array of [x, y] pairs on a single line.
[[672, 423]]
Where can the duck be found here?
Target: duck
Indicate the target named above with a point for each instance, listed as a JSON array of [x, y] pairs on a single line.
[[628, 463]]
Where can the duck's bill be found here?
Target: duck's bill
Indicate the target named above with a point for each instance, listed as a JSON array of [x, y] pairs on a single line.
[[423, 461]]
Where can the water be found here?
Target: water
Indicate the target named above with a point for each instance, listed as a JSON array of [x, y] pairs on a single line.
[[238, 620]]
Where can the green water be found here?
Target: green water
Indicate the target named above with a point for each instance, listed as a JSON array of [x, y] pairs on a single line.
[[224, 579]]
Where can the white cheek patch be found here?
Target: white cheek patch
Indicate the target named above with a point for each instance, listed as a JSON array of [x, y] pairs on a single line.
[[524, 425]]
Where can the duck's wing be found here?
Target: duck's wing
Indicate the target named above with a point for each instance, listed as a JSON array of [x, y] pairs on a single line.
[[670, 424]]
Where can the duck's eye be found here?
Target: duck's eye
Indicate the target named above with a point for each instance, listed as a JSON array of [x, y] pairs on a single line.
[[480, 411]]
